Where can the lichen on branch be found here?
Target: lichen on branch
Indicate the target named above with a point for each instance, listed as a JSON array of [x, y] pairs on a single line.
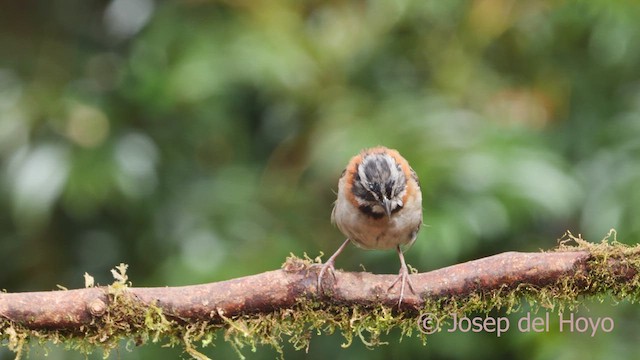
[[283, 305]]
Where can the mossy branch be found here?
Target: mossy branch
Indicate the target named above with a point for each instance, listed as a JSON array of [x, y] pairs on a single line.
[[266, 307]]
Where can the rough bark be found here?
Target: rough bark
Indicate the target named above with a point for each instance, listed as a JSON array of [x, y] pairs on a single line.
[[272, 290]]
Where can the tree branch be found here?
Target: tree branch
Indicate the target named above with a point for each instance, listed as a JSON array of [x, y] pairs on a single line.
[[126, 311]]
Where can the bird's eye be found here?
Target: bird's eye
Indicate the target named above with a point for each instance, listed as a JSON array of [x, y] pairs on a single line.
[[374, 186]]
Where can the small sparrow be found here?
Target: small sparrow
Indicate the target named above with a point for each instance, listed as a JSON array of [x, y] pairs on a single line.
[[379, 206]]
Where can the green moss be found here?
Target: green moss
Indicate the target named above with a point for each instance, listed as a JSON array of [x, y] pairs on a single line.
[[127, 320]]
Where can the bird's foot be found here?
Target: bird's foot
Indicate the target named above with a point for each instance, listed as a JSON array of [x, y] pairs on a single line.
[[326, 267], [403, 278]]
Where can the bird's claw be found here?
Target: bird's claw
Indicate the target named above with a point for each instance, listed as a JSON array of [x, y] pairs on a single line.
[[326, 267], [403, 277]]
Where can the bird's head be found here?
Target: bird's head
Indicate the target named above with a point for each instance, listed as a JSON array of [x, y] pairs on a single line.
[[380, 184]]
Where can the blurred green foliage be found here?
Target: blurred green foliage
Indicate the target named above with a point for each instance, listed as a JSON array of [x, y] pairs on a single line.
[[200, 140]]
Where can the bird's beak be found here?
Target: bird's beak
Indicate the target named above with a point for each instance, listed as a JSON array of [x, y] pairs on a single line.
[[386, 205]]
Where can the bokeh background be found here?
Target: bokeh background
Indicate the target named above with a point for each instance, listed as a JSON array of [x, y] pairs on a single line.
[[199, 141]]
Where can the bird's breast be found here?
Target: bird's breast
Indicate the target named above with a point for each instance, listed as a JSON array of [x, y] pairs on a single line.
[[377, 233]]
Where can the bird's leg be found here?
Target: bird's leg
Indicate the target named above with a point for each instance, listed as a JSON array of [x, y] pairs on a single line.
[[403, 276], [329, 265]]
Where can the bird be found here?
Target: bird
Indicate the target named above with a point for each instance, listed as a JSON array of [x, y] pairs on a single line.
[[378, 206]]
